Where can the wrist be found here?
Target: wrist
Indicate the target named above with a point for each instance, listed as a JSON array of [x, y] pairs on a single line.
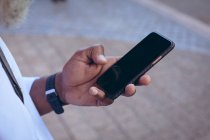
[[58, 87]]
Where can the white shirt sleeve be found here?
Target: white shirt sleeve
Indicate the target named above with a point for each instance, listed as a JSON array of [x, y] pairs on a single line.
[[28, 82], [27, 123]]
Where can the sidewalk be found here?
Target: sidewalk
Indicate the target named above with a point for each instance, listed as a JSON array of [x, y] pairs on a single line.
[[174, 107], [125, 20], [197, 9]]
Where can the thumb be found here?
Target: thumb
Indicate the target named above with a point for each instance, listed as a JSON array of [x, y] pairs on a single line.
[[97, 54]]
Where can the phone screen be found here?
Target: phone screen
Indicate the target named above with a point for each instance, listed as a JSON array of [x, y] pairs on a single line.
[[134, 64]]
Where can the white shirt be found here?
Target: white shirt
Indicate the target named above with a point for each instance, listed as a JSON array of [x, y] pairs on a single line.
[[18, 121]]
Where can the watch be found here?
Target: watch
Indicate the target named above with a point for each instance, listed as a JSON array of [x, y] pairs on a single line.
[[52, 96]]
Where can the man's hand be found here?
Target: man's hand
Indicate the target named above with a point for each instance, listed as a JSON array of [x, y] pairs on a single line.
[[76, 84]]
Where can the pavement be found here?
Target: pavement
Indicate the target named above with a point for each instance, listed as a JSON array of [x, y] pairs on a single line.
[[197, 9], [125, 20], [175, 106]]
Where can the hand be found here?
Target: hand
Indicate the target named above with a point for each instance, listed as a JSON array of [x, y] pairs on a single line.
[[76, 84]]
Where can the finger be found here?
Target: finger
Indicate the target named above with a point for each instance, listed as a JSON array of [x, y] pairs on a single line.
[[130, 90], [114, 58], [101, 100], [104, 102], [99, 94], [143, 80], [97, 54]]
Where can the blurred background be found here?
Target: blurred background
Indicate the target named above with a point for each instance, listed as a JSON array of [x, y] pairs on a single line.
[[176, 106]]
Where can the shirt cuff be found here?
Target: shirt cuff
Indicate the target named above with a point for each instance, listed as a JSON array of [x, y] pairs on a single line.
[[28, 82]]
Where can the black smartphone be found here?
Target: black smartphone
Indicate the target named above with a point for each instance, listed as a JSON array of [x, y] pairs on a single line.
[[134, 64]]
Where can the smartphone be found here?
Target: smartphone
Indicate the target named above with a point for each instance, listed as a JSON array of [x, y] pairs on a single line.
[[134, 64]]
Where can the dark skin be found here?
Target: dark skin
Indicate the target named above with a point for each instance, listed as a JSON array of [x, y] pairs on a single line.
[[76, 84]]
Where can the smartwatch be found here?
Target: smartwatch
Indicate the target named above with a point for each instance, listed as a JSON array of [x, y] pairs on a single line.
[[52, 96]]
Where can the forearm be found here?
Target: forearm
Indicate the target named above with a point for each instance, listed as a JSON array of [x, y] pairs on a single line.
[[38, 96]]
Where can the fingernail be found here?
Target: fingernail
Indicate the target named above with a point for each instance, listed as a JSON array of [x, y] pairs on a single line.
[[93, 91], [102, 58]]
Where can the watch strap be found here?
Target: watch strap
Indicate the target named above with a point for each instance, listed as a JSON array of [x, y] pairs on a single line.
[[52, 97]]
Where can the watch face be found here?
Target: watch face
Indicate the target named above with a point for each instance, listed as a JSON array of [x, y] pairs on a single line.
[[135, 63]]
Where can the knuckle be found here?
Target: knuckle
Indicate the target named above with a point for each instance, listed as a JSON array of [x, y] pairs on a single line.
[[79, 52], [99, 47]]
